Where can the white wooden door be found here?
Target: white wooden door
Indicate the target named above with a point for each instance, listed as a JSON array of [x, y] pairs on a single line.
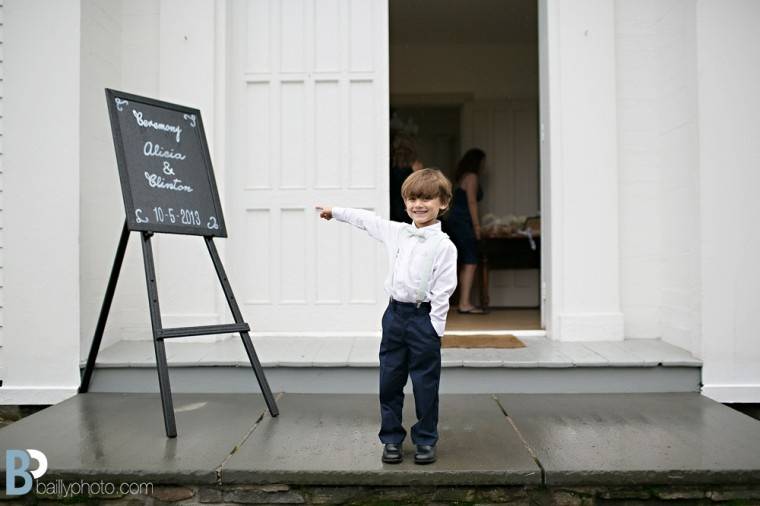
[[307, 124], [507, 131]]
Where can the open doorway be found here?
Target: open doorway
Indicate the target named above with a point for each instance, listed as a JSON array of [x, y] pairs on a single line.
[[463, 75]]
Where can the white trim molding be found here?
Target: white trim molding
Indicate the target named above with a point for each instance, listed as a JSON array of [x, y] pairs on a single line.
[[732, 393]]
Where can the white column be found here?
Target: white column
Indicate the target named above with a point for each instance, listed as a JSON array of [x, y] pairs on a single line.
[[41, 151], [580, 108]]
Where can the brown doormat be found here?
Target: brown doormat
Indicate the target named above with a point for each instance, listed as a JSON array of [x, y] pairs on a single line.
[[481, 341]]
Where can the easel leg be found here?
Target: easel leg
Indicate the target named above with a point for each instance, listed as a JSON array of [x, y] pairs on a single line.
[[254, 359], [105, 309], [260, 376], [155, 320], [165, 387]]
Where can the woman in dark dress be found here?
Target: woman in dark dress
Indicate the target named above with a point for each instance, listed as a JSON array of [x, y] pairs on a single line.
[[464, 223]]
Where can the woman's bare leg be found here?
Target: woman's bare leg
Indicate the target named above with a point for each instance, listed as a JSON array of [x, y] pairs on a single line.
[[466, 277]]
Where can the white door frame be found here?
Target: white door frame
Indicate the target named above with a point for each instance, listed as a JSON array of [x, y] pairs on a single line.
[[545, 147]]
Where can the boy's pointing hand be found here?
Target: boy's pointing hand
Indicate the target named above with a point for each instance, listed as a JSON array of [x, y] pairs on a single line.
[[325, 212]]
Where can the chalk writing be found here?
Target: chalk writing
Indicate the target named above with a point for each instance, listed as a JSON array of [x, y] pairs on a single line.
[[149, 123], [150, 149], [138, 216], [156, 181]]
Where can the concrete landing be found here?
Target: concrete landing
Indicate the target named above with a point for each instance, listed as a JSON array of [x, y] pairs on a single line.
[[332, 440], [541, 439]]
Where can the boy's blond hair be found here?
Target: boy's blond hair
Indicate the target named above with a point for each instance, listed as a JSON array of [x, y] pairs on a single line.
[[428, 184]]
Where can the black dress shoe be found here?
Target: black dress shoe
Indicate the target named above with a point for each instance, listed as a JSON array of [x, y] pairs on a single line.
[[392, 453], [425, 454]]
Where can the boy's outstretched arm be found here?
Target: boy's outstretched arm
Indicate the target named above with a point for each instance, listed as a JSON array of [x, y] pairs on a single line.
[[381, 229]]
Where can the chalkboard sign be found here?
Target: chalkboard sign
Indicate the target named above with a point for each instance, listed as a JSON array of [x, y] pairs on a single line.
[[165, 169]]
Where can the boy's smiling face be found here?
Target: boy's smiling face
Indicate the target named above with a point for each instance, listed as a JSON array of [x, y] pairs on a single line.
[[424, 211]]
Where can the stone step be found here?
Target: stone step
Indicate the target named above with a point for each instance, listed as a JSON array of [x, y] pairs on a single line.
[[350, 365]]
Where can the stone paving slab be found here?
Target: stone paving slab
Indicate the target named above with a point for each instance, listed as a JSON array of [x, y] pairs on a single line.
[[332, 440], [121, 436], [629, 439]]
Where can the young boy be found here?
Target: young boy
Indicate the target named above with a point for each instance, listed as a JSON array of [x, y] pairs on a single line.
[[422, 278]]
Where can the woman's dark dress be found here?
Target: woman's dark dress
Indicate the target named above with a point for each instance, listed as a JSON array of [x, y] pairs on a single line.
[[398, 209], [460, 229]]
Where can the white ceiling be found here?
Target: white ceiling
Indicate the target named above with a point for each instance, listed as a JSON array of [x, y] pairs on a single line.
[[424, 22]]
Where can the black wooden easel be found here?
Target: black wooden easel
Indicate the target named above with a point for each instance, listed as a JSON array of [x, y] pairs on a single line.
[[160, 333]]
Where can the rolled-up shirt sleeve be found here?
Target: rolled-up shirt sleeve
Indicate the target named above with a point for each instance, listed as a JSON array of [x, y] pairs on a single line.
[[374, 225], [442, 285]]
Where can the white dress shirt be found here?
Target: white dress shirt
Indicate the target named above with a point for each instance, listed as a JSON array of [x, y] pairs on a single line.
[[411, 251]]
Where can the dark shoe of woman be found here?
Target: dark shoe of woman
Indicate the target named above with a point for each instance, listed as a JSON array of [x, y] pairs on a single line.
[[392, 453]]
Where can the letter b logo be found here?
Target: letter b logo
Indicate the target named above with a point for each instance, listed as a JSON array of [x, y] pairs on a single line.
[[17, 463]]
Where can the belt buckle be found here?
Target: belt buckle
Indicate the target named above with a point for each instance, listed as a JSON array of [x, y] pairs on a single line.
[[419, 303]]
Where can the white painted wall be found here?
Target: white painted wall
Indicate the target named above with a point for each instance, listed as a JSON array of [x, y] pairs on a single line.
[[638, 90], [677, 147], [659, 170], [689, 173], [139, 57], [101, 209], [167, 50], [187, 284], [729, 165], [580, 111], [41, 206]]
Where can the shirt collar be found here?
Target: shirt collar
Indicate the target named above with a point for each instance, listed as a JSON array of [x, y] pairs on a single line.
[[434, 226], [430, 229]]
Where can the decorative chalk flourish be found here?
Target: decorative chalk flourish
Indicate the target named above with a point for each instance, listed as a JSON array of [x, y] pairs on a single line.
[[138, 216]]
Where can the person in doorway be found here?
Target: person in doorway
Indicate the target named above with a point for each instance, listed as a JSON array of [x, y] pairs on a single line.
[[464, 223], [420, 282], [404, 161]]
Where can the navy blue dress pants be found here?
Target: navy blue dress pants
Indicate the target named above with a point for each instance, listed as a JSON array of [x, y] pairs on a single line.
[[410, 347]]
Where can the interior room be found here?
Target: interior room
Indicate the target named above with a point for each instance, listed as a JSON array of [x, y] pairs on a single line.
[[463, 75]]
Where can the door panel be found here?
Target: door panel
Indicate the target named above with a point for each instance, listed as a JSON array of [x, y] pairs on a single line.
[[307, 124]]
